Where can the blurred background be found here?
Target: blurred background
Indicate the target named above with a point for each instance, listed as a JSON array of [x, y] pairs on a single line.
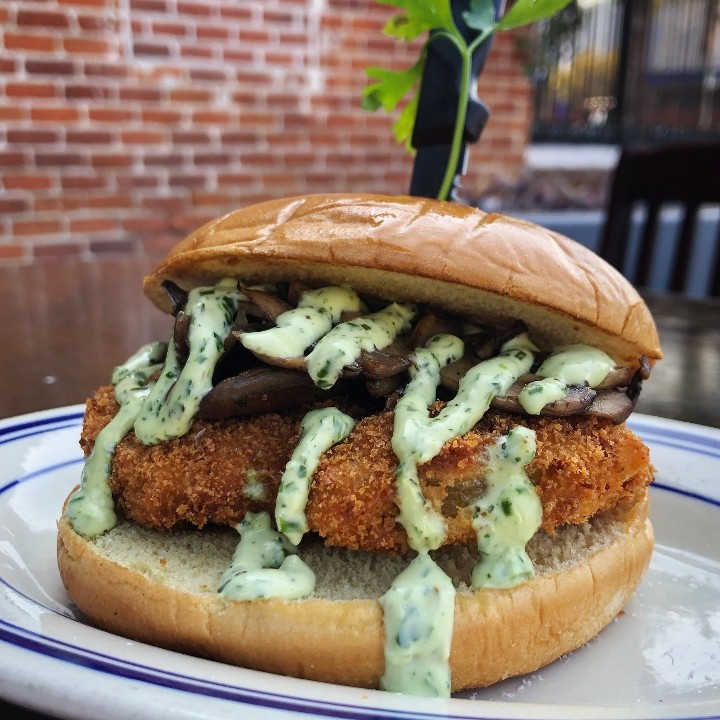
[[125, 124]]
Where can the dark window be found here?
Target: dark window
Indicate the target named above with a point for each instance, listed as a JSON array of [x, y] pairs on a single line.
[[623, 70]]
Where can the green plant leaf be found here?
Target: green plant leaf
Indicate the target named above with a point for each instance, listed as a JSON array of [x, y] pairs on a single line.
[[480, 15], [392, 86], [420, 16], [525, 12], [403, 126]]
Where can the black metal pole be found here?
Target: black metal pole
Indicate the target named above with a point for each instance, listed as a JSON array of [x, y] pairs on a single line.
[[437, 107]]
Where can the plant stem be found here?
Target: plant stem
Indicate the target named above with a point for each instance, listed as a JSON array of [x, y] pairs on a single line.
[[475, 44], [466, 54], [459, 130]]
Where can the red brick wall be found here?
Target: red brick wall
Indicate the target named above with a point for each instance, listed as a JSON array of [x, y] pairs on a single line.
[[124, 124]]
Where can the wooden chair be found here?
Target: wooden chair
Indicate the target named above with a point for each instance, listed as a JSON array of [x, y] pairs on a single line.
[[687, 175]]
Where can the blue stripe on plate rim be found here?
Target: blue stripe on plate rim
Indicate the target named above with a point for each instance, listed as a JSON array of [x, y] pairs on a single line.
[[678, 437], [53, 648], [8, 433]]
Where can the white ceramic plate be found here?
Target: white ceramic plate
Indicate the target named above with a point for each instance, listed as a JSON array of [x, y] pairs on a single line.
[[660, 658]]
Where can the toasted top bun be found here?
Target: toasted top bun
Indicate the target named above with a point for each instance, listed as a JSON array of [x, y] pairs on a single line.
[[452, 256], [160, 588]]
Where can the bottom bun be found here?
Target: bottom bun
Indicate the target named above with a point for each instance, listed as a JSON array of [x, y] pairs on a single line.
[[160, 588]]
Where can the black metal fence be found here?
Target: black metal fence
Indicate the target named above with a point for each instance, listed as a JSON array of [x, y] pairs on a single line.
[[620, 71]]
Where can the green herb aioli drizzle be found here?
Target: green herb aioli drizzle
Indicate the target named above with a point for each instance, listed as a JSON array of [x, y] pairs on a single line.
[[90, 509], [567, 365], [418, 612], [343, 344], [320, 429], [169, 409], [417, 438], [297, 329], [417, 660], [146, 356], [254, 489], [424, 526], [419, 605], [265, 565], [508, 513]]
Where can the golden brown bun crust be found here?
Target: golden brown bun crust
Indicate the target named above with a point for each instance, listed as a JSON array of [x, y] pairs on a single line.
[[409, 248], [497, 633]]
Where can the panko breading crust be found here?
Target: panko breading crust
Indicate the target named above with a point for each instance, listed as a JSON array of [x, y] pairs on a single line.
[[222, 469]]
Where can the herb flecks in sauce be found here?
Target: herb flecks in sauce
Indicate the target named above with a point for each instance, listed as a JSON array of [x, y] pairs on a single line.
[[254, 488], [265, 565], [567, 365], [417, 438], [170, 408], [425, 526], [418, 612], [320, 430], [343, 344], [297, 329], [508, 513], [420, 664], [90, 509], [419, 605], [145, 357]]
